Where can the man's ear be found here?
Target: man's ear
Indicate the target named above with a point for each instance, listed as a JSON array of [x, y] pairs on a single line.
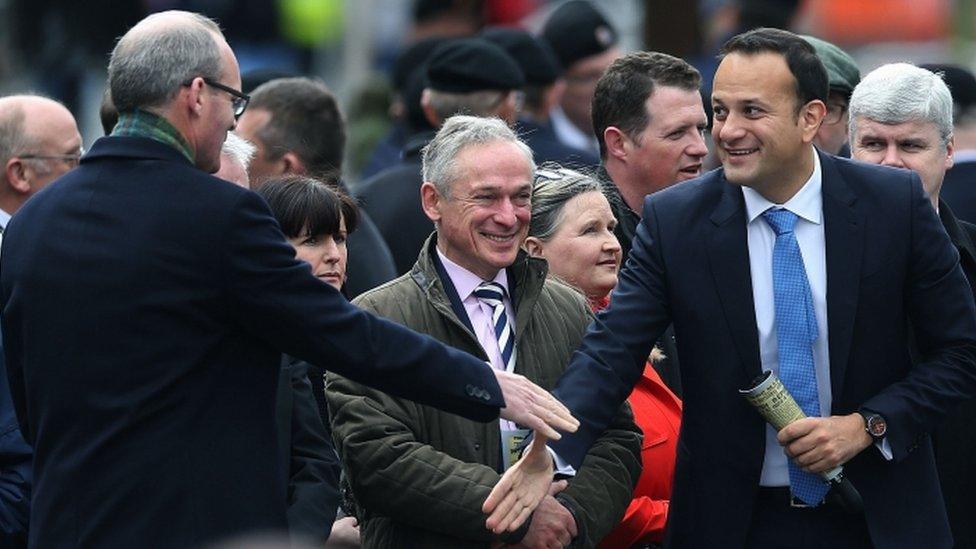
[[291, 163], [615, 142], [192, 95], [18, 175], [950, 147], [429, 112], [811, 117], [533, 246], [431, 200]]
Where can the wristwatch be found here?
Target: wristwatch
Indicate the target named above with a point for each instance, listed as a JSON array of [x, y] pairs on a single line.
[[874, 424]]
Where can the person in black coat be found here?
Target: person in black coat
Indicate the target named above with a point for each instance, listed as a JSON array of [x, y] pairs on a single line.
[[542, 92], [145, 307], [901, 116]]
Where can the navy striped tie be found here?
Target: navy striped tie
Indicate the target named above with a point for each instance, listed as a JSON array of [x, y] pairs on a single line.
[[491, 294]]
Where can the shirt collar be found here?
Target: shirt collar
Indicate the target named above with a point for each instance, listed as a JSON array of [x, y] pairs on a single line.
[[4, 219], [807, 203], [466, 282], [568, 132], [967, 155]]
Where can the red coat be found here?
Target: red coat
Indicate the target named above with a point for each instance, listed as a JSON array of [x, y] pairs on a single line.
[[657, 411]]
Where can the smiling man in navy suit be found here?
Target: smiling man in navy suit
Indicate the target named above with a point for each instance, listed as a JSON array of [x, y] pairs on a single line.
[[145, 308], [809, 266]]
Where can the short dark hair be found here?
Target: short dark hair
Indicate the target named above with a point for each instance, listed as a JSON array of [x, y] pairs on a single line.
[[801, 58], [305, 206], [305, 119], [622, 91]]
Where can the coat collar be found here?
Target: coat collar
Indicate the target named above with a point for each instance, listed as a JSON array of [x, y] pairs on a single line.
[[135, 148], [526, 277]]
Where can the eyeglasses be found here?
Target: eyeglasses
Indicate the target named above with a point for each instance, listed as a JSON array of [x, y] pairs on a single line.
[[238, 100], [71, 160], [835, 112]]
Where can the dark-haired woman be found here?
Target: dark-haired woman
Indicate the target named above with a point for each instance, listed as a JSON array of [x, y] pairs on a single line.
[[316, 219]]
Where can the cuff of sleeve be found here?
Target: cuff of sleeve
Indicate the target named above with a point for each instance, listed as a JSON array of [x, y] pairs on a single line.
[[561, 468], [884, 448], [512, 538]]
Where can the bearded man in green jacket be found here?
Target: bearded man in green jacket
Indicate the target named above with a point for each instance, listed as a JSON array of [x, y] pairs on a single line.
[[420, 475]]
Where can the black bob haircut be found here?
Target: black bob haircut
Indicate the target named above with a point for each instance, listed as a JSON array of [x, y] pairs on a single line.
[[305, 206], [801, 58]]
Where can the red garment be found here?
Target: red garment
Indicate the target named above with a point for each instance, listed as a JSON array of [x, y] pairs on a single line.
[[657, 411]]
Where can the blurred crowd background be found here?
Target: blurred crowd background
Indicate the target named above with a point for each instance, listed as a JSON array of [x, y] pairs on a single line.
[[60, 47]]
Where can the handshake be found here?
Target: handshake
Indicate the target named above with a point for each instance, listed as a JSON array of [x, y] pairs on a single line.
[[527, 483]]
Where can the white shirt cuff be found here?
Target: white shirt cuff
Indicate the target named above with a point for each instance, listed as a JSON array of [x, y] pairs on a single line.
[[882, 447], [561, 467]]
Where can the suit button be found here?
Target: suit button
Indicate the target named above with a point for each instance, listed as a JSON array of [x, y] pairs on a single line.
[[477, 446]]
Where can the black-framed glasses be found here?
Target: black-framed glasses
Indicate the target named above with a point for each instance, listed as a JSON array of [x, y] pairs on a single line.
[[835, 112], [239, 100], [69, 159]]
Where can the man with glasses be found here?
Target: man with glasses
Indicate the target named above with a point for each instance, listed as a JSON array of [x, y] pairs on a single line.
[[842, 76], [146, 305], [39, 141]]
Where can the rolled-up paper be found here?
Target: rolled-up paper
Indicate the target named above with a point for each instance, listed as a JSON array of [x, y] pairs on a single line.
[[778, 407]]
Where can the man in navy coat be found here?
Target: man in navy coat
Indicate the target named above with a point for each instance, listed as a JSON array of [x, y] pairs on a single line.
[[145, 308], [874, 254]]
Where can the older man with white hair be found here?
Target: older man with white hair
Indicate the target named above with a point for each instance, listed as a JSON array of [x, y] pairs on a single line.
[[901, 116]]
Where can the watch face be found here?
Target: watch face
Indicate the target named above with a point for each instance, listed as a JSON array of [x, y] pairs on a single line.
[[877, 426]]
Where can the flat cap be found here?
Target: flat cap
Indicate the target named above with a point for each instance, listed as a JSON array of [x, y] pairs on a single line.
[[842, 72], [576, 30], [960, 81], [534, 56], [472, 64]]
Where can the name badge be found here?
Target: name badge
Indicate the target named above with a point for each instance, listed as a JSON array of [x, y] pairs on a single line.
[[512, 445]]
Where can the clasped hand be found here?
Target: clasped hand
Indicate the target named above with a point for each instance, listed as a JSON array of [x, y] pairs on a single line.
[[819, 444]]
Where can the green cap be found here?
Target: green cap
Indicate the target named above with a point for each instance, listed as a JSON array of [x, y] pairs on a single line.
[[842, 71]]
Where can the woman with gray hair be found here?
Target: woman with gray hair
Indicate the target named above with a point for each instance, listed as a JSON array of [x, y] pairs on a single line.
[[572, 228]]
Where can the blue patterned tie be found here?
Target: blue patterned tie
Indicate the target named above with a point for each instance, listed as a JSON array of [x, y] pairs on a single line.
[[491, 293], [796, 330]]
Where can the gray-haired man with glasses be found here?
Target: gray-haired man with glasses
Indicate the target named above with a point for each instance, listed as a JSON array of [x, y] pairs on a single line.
[[146, 305], [39, 142]]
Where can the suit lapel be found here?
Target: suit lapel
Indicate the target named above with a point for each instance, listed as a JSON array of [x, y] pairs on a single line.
[[844, 239], [728, 254]]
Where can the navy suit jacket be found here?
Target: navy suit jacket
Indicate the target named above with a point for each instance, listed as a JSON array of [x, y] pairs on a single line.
[[15, 471], [888, 258], [146, 305]]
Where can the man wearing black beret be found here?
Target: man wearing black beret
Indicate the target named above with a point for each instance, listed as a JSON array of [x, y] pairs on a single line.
[[585, 44], [463, 76], [543, 89]]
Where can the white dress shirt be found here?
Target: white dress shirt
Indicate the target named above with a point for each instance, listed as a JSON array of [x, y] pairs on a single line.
[[807, 204], [569, 134], [4, 219]]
